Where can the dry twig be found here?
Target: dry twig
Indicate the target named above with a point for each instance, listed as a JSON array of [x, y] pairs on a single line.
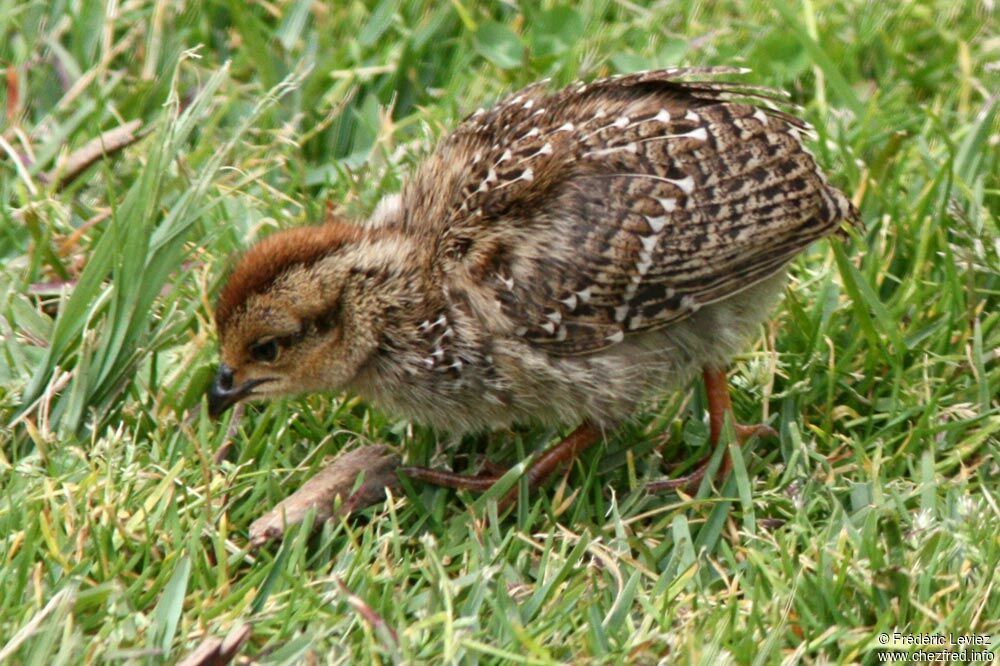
[[214, 651], [378, 464], [103, 145]]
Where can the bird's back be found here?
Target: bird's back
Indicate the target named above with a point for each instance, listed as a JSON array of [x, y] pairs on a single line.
[[622, 205]]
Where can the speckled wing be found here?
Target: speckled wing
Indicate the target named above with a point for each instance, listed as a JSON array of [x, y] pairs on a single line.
[[496, 162], [652, 197]]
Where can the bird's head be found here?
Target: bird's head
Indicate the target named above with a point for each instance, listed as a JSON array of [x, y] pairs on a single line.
[[303, 310]]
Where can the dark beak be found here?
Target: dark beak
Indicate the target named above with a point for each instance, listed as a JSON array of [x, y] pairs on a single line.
[[223, 395]]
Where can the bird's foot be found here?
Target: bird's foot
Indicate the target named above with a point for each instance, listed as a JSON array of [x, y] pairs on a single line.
[[761, 430], [541, 468], [689, 482], [720, 408]]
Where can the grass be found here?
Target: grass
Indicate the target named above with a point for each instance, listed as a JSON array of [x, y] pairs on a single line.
[[122, 540]]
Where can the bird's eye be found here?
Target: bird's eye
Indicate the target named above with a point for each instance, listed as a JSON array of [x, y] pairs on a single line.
[[264, 351]]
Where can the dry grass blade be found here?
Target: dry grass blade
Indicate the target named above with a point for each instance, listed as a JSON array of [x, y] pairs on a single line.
[[32, 626], [374, 620]]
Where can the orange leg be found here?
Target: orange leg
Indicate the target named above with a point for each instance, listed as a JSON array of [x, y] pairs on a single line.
[[719, 406], [440, 477], [566, 450]]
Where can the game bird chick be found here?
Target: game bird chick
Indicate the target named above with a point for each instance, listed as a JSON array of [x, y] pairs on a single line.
[[559, 258]]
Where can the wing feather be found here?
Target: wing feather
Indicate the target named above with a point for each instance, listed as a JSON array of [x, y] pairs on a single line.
[[622, 205]]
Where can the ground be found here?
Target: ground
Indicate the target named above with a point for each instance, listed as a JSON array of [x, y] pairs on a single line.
[[123, 535]]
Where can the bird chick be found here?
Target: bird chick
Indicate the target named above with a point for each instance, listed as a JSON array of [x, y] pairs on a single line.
[[559, 258]]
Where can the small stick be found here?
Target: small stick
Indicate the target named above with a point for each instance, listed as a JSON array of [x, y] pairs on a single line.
[[70, 242], [231, 431], [103, 145], [378, 464], [13, 94], [214, 651]]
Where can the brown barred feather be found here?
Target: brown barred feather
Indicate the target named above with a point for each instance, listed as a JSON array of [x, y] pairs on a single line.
[[673, 195]]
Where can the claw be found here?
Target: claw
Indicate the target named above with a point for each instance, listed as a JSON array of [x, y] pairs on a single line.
[[719, 406]]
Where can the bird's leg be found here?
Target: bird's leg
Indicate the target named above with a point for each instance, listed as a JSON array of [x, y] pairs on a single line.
[[573, 445], [454, 480], [719, 406], [546, 463]]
